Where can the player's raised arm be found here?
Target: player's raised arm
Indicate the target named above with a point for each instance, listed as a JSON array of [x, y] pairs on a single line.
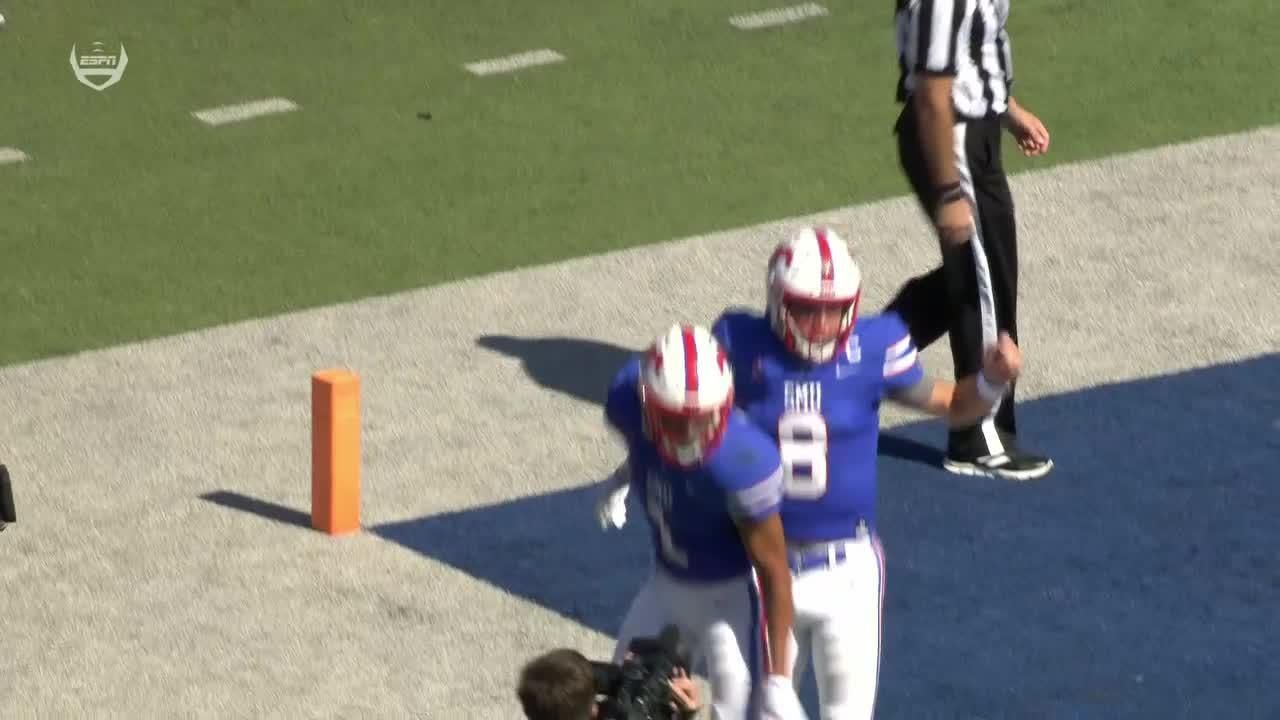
[[971, 399], [905, 381]]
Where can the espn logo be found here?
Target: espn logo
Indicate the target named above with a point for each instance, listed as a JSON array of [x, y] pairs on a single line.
[[87, 61], [107, 67]]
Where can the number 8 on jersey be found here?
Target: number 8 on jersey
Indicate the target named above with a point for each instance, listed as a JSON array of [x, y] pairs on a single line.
[[802, 442]]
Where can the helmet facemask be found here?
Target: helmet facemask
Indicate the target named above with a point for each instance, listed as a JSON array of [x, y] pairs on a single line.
[[795, 318], [684, 436]]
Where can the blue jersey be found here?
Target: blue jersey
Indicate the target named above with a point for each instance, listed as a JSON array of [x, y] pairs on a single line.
[[825, 417], [693, 513]]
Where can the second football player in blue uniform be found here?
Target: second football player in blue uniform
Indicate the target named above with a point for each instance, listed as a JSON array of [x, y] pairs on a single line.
[[711, 485]]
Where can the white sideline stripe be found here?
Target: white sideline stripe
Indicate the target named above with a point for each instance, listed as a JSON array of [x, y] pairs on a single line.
[[780, 16], [244, 111], [514, 62], [9, 155]]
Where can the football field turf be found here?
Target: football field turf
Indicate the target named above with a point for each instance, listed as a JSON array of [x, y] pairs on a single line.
[[132, 219], [160, 566]]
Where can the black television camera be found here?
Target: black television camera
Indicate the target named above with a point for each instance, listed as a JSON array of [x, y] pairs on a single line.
[[640, 689], [7, 515]]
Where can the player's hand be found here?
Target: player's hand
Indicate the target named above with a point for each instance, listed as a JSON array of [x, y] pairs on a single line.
[[781, 701], [611, 509], [685, 692], [1031, 134], [954, 221], [1003, 363]]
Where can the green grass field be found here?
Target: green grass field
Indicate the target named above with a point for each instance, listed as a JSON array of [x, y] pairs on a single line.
[[134, 220]]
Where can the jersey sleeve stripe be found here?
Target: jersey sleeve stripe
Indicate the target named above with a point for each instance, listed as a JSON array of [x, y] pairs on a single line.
[[899, 348], [759, 499], [901, 365]]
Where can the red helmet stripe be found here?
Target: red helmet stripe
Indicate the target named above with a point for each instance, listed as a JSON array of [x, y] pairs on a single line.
[[824, 253], [690, 361]]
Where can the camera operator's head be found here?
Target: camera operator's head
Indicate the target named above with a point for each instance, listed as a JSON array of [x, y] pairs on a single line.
[[559, 685], [565, 685]]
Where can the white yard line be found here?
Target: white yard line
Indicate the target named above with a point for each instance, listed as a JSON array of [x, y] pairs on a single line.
[[515, 62], [11, 155], [244, 111], [779, 16]]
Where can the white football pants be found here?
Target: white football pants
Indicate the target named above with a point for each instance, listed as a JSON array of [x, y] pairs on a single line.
[[838, 620], [721, 624]]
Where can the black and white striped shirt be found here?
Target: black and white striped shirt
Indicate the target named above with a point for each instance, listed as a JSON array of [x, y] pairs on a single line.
[[962, 38]]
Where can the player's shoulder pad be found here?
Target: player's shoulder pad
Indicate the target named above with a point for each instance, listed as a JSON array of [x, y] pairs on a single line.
[[885, 332], [736, 326], [746, 456], [887, 336]]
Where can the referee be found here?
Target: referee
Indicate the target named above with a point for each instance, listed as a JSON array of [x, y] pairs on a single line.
[[955, 86]]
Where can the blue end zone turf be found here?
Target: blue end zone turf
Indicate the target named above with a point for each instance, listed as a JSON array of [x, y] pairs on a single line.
[[1139, 579]]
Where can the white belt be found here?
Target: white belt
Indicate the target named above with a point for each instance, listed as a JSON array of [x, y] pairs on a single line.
[[822, 555]]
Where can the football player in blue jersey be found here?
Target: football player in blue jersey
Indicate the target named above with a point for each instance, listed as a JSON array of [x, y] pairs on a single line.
[[711, 484], [814, 375]]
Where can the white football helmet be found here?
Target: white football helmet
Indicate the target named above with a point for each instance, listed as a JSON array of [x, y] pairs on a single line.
[[686, 391], [813, 267]]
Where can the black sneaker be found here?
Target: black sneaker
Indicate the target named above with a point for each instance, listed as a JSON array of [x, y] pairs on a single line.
[[1014, 465], [969, 454]]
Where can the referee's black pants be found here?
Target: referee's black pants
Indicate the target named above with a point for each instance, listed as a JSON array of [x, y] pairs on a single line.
[[973, 295]]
